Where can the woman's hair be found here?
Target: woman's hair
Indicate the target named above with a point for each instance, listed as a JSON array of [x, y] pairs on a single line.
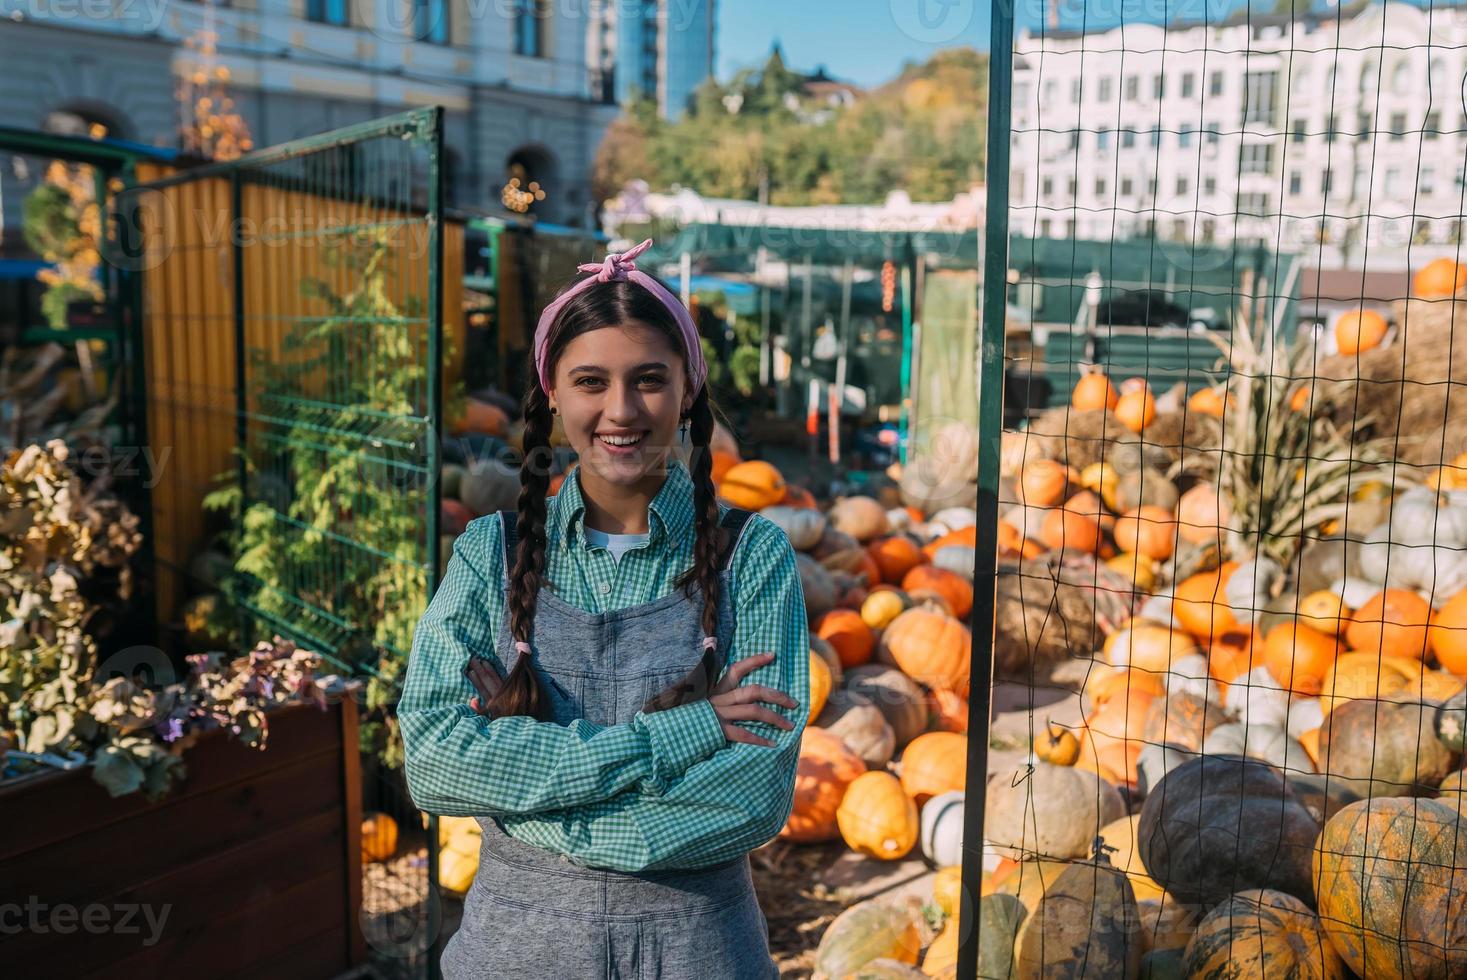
[[614, 302]]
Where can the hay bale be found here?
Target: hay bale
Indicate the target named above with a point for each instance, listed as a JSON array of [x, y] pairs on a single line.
[[1075, 438], [1053, 608], [1412, 390], [1190, 437]]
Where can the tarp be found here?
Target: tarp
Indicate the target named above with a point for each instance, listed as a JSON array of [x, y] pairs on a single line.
[[945, 377]]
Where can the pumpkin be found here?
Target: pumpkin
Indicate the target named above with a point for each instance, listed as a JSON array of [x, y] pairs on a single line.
[[901, 702], [861, 517], [1165, 925], [1136, 410], [1042, 482], [1267, 743], [1082, 926], [934, 763], [1181, 720], [1218, 824], [1102, 478], [820, 683], [456, 870], [1094, 391], [1114, 733], [895, 556], [481, 417], [1009, 539], [1383, 748], [931, 648], [1324, 611], [1139, 570], [753, 485], [1201, 515], [379, 837], [825, 768], [1234, 654], [1439, 279], [883, 605], [817, 585], [1065, 528], [949, 711], [1299, 657], [799, 497], [1052, 811], [873, 930], [942, 829], [1447, 634], [876, 817], [1391, 874], [723, 462], [1120, 835], [957, 590], [1212, 401], [1190, 674], [1370, 675], [1147, 646], [861, 725], [1394, 622], [1357, 331], [1057, 745], [802, 527], [1147, 488], [1199, 606], [1105, 685], [941, 956], [1451, 722], [827, 653], [959, 559], [1150, 531], [999, 919], [848, 634], [947, 888], [1262, 933]]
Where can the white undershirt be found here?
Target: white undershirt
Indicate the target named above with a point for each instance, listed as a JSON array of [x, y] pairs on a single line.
[[617, 544]]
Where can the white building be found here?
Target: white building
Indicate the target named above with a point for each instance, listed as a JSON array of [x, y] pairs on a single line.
[[1339, 135], [511, 74], [663, 49]]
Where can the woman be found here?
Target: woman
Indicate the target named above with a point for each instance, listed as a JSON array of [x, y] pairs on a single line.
[[619, 773]]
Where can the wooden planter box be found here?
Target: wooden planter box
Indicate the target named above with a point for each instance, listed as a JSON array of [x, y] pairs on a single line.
[[255, 859]]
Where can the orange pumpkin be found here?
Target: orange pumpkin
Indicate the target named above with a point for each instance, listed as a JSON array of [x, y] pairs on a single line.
[[1439, 279], [1200, 606], [930, 647], [481, 417], [826, 768], [1201, 515], [1009, 539], [1448, 634], [934, 763], [866, 565], [949, 711], [722, 463], [379, 837], [1299, 657], [895, 556], [1136, 409], [1094, 391], [1147, 646], [1324, 611], [1150, 531], [877, 818], [1043, 482], [956, 590], [1108, 684], [555, 484], [1209, 401], [1393, 622], [753, 485], [1233, 654], [847, 632], [1071, 530], [1115, 734], [1359, 330], [1299, 400], [798, 497]]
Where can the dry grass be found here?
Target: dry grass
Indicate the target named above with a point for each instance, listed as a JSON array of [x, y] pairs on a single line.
[[796, 905]]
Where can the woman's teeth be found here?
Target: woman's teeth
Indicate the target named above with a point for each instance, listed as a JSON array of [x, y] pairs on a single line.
[[620, 440]]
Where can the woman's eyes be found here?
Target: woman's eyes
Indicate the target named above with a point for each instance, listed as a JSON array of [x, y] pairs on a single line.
[[646, 379]]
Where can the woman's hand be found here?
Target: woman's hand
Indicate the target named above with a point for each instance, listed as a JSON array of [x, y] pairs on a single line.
[[486, 681], [739, 704]]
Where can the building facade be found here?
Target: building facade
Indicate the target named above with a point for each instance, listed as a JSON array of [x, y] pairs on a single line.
[[1340, 135], [662, 49], [512, 76]]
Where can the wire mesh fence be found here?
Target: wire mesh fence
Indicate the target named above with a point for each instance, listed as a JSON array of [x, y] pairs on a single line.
[[1230, 624]]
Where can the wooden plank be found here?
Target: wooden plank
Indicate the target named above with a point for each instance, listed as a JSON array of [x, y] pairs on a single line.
[[312, 958], [351, 795]]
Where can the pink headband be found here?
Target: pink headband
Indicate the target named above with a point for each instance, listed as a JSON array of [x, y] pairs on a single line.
[[622, 266]]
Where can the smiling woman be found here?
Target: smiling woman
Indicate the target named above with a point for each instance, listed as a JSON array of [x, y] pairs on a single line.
[[645, 736]]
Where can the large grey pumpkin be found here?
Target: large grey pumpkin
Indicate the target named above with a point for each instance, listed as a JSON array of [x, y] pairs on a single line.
[[1384, 748], [1267, 743], [800, 524], [1051, 811], [899, 698], [860, 724], [817, 585], [1146, 488]]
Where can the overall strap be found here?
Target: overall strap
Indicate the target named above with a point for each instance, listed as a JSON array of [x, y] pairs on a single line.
[[732, 522], [510, 523]]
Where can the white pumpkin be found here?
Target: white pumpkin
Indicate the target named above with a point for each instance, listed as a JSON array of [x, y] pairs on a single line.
[[900, 519], [1419, 516], [1268, 743], [956, 518], [1354, 592], [1252, 588], [1257, 699], [1026, 518], [941, 834], [1155, 761], [956, 558], [1305, 714], [1188, 674], [800, 524], [1158, 609]]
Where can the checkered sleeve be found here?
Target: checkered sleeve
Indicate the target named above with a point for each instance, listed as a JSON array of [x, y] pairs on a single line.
[[460, 763], [741, 796]]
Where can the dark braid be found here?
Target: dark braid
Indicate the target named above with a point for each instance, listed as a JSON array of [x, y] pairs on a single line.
[[704, 572], [521, 694]]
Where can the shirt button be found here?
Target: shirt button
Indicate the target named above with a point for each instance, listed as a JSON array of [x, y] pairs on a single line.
[[605, 590]]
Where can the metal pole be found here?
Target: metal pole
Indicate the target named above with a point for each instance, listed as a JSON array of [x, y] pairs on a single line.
[[433, 431]]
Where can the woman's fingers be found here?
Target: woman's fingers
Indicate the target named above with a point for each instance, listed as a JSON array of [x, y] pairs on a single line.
[[739, 670], [754, 712], [755, 692], [736, 734]]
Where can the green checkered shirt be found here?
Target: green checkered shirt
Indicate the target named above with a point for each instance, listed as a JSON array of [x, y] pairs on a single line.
[[666, 790]]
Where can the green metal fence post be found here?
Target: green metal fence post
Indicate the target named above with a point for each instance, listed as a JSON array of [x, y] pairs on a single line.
[[434, 432]]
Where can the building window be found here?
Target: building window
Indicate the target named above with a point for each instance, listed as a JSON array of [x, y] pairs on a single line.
[[1330, 123], [1074, 140], [1075, 91], [1259, 96], [1184, 134], [1155, 135], [1182, 186], [1391, 187], [1298, 131], [1254, 203], [529, 27], [1151, 186], [1021, 93], [1255, 158], [1398, 126], [1100, 187], [1325, 180], [430, 21], [1133, 88], [1072, 188], [1189, 82], [1049, 87], [1428, 181], [1362, 128], [1104, 90], [1128, 138], [1213, 133], [1046, 187], [328, 12], [1401, 77], [1158, 87], [1432, 126], [1216, 87], [1209, 185], [1102, 140], [1296, 182], [1069, 227], [1126, 186], [1043, 227], [1179, 229], [1209, 230]]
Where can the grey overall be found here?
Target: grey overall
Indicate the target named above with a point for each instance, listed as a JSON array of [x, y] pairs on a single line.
[[531, 913]]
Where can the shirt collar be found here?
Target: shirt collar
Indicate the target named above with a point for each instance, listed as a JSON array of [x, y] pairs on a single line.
[[669, 516]]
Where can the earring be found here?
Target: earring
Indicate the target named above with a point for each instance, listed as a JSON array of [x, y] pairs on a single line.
[[554, 410]]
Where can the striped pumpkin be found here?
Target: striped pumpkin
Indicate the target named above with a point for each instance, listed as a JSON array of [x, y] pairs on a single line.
[[1262, 933]]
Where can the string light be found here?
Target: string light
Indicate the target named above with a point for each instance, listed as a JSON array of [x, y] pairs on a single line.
[[888, 286]]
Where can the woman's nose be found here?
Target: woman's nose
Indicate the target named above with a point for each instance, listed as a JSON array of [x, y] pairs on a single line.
[[623, 404]]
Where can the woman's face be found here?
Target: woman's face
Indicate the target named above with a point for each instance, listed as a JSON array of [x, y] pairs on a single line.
[[621, 392]]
